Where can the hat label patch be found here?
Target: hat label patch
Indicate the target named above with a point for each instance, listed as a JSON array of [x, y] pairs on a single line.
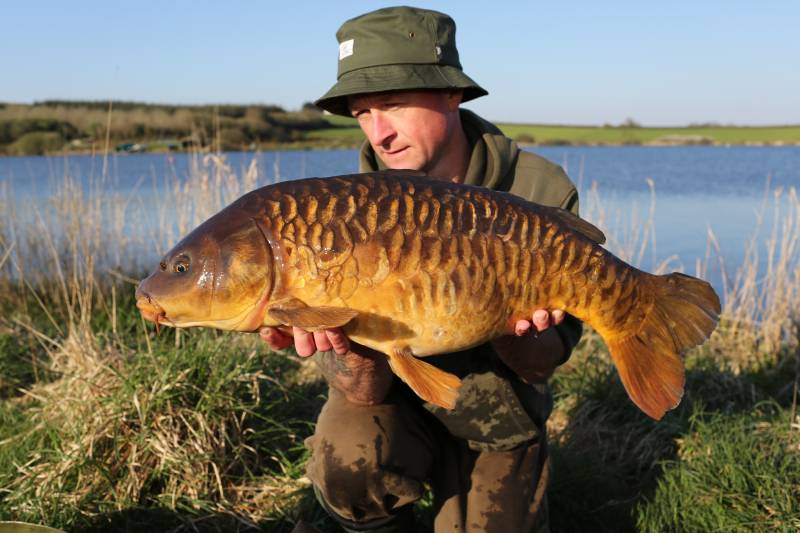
[[346, 49]]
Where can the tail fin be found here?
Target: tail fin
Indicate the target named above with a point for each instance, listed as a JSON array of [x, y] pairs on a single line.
[[684, 312]]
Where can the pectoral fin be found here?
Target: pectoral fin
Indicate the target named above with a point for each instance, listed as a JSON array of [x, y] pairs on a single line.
[[295, 313], [428, 382]]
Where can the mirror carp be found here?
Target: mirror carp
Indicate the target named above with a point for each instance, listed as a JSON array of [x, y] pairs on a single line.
[[413, 266]]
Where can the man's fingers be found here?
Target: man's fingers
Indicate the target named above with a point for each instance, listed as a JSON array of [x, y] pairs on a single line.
[[274, 338], [541, 319], [322, 342], [338, 340], [307, 344], [522, 327], [268, 335], [304, 343]]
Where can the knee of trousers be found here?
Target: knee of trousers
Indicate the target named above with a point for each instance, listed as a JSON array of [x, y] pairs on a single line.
[[367, 462]]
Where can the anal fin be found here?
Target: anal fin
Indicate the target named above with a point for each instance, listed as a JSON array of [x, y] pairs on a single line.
[[428, 382]]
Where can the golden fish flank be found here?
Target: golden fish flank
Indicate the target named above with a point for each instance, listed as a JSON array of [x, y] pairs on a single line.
[[413, 266]]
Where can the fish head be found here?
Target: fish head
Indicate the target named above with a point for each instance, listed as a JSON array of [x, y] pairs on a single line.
[[219, 276]]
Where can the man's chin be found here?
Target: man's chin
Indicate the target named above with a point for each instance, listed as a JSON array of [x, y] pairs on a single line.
[[401, 161], [408, 165]]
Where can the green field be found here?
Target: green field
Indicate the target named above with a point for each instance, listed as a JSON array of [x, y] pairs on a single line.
[[107, 426], [644, 135], [347, 131]]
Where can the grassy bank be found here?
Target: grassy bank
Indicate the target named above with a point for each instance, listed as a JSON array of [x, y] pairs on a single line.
[[550, 134], [58, 126], [347, 131], [105, 426]]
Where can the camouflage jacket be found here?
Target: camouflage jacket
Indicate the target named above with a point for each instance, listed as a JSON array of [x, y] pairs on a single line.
[[495, 409]]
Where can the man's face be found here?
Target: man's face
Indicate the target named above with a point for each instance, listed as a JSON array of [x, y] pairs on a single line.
[[408, 129]]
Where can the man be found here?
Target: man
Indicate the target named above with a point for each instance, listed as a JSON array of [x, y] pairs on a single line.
[[376, 443]]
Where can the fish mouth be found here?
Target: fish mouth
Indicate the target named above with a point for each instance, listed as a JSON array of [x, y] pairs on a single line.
[[151, 311]]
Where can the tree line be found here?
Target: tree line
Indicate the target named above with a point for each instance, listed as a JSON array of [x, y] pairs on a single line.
[[54, 125]]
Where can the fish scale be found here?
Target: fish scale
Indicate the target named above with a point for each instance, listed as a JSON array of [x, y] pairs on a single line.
[[413, 266]]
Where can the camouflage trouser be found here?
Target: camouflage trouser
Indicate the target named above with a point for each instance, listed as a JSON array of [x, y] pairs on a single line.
[[368, 466]]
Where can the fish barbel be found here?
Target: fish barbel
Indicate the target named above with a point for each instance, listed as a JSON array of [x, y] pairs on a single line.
[[413, 266]]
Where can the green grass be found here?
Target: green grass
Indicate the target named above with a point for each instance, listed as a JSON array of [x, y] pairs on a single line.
[[729, 445], [16, 366], [344, 131], [131, 431], [347, 131], [136, 430], [546, 134], [732, 473], [342, 122], [349, 137], [105, 426]]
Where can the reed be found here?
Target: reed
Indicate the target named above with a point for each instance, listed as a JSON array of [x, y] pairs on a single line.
[[617, 472], [106, 425]]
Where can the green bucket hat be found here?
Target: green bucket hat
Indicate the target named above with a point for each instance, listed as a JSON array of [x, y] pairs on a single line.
[[397, 49]]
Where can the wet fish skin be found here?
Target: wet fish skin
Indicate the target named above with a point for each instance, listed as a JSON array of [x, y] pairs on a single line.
[[414, 266]]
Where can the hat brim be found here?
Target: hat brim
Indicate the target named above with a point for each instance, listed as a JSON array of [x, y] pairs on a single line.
[[385, 78]]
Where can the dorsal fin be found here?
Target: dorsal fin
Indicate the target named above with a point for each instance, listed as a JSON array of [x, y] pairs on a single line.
[[578, 225]]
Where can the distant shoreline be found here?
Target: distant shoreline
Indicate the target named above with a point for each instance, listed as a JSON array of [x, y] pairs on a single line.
[[326, 146], [76, 127]]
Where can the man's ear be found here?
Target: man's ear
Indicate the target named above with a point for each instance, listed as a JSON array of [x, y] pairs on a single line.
[[454, 99]]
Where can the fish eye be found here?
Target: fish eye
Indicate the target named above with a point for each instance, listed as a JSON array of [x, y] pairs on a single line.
[[181, 265]]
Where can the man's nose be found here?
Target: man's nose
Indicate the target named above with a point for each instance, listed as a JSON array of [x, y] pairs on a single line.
[[382, 130]]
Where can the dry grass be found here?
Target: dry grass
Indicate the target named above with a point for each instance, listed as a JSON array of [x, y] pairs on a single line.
[[125, 411], [121, 433], [208, 425], [616, 471], [761, 298]]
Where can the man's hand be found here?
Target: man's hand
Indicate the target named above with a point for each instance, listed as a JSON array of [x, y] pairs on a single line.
[[541, 320], [307, 344], [535, 349], [360, 373]]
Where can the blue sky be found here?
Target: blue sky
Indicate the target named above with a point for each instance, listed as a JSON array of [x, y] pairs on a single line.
[[591, 62]]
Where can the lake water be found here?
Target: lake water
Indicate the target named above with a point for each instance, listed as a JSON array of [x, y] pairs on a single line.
[[696, 188]]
